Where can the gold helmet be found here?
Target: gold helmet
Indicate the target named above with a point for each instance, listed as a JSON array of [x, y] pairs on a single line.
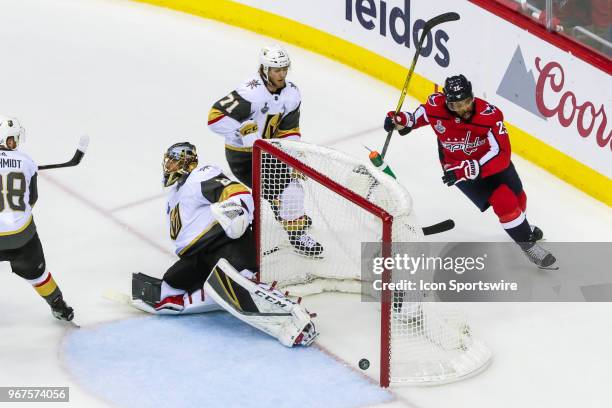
[[180, 159]]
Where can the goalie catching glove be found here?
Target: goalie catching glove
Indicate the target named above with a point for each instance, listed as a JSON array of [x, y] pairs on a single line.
[[402, 121], [464, 170], [233, 217]]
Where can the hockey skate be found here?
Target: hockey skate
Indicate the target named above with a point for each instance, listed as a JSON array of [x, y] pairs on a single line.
[[541, 257], [303, 244], [536, 234], [61, 310]]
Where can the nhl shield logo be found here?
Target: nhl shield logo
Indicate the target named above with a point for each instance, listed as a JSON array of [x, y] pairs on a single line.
[[439, 128]]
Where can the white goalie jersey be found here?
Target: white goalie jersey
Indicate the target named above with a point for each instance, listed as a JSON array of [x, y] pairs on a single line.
[[18, 175], [252, 112], [192, 223]]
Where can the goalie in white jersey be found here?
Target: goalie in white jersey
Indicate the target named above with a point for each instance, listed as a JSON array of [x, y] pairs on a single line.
[[19, 242], [209, 222], [266, 106]]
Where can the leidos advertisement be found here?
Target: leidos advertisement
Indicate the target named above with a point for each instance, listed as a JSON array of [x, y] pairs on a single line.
[[396, 23], [548, 93]]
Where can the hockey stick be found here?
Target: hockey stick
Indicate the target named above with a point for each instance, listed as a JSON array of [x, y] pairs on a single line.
[[76, 159], [429, 25], [442, 226]]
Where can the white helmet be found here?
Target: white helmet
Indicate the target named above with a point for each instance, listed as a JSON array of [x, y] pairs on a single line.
[[273, 56], [10, 127]]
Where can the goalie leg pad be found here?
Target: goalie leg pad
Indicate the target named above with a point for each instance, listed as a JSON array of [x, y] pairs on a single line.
[[260, 306], [146, 288]]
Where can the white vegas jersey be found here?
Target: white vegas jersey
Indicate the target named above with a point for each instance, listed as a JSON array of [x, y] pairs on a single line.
[[192, 224], [18, 192], [277, 114]]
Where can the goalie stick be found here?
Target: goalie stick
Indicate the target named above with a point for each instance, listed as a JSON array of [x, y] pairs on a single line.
[[76, 159], [429, 25]]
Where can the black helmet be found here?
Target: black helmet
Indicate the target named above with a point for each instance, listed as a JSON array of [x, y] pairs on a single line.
[[457, 88], [184, 158]]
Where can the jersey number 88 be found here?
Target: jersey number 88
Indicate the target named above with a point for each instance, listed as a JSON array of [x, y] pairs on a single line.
[[15, 188]]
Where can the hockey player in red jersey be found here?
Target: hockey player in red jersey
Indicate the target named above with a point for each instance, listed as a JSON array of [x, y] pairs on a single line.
[[474, 151]]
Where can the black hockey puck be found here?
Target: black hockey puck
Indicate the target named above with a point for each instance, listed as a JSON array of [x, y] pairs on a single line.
[[364, 364]]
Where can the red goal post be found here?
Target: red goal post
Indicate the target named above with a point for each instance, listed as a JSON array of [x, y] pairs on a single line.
[[348, 202], [386, 220]]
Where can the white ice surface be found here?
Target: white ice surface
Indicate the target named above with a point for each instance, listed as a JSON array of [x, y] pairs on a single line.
[[137, 78]]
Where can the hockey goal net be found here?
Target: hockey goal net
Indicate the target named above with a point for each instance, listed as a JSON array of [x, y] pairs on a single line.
[[339, 203]]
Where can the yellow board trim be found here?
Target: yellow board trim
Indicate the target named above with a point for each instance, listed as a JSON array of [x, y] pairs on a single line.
[[561, 165]]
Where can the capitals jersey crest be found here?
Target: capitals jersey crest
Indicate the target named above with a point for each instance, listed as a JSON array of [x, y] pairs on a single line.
[[489, 110]]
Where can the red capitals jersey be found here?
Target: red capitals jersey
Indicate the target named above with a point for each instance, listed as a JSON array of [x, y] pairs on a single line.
[[483, 137]]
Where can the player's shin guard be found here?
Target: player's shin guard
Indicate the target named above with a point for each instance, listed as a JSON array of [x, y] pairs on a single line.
[[46, 287], [507, 207], [522, 200], [260, 305]]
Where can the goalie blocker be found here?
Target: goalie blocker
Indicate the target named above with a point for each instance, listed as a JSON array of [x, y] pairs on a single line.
[[255, 303]]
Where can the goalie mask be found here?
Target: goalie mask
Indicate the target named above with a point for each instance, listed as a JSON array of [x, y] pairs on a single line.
[[273, 56], [10, 128], [179, 160]]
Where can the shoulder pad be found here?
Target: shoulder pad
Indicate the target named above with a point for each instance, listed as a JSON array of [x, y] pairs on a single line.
[[487, 112], [208, 171], [291, 96], [234, 105], [293, 86], [436, 100], [250, 88]]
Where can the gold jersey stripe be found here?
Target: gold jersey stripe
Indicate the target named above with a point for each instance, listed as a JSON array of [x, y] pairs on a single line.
[[196, 239], [239, 148], [289, 132], [231, 190], [214, 115], [3, 234]]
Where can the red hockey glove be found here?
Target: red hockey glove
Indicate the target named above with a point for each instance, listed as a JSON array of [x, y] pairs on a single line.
[[403, 122], [464, 170]]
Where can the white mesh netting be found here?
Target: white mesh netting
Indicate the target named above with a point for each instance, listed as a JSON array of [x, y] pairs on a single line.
[[311, 239]]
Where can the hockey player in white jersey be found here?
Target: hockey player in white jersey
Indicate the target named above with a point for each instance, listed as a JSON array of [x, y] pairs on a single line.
[[209, 222], [19, 242], [267, 106]]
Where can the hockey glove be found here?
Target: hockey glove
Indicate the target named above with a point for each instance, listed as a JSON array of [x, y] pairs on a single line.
[[232, 217], [403, 122], [249, 132], [465, 170], [248, 127]]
